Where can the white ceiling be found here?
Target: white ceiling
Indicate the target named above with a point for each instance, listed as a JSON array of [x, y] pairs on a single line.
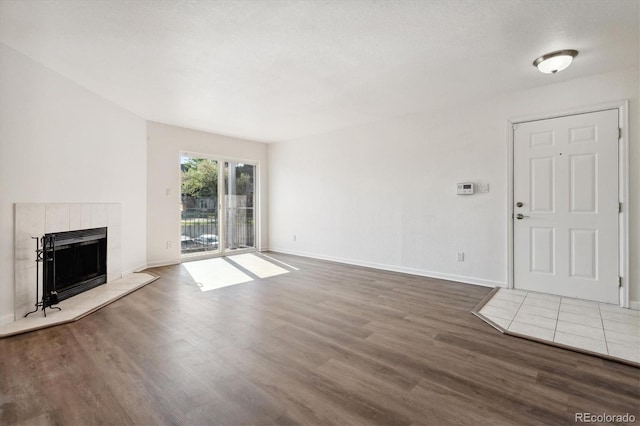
[[281, 70]]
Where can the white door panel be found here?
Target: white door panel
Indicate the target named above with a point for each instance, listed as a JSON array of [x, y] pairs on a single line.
[[566, 178]]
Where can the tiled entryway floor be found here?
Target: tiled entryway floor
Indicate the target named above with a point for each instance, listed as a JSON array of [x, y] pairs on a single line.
[[591, 326]]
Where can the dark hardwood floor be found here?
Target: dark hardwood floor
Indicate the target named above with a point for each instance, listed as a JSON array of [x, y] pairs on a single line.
[[327, 344]]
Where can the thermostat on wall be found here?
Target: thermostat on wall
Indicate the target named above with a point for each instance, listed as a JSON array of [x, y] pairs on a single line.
[[465, 188]]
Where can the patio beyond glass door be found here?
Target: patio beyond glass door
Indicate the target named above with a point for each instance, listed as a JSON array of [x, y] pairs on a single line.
[[239, 206], [218, 206], [200, 217]]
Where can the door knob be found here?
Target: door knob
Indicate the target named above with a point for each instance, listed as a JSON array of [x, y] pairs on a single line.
[[520, 216], [519, 204]]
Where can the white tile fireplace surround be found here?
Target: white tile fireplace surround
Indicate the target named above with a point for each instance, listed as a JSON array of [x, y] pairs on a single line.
[[37, 219]]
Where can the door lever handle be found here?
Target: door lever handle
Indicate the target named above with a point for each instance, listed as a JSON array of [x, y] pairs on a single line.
[[520, 216]]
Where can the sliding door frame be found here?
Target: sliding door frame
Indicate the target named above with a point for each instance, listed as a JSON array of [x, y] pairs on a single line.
[[222, 220]]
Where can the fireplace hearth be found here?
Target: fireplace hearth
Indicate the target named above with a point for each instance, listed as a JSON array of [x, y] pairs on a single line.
[[39, 219], [74, 262]]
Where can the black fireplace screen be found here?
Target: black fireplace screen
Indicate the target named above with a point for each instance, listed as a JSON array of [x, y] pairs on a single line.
[[74, 262]]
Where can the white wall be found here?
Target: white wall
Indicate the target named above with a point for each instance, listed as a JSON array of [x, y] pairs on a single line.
[[384, 194], [62, 143], [165, 143]]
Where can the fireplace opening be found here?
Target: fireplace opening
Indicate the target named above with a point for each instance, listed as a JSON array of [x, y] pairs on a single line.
[[74, 262]]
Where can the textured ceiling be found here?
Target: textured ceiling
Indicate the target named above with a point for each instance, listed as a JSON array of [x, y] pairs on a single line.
[[280, 70]]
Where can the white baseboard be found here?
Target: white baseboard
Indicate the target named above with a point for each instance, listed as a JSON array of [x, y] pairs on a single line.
[[158, 264], [135, 269], [140, 267], [7, 319], [394, 268], [635, 304]]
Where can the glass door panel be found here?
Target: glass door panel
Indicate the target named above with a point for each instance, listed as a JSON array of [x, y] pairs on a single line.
[[199, 217], [239, 206]]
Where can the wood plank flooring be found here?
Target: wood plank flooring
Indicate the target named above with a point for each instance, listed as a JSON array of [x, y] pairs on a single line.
[[326, 344]]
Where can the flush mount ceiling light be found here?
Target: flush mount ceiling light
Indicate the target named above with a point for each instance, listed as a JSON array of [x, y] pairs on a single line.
[[553, 62]]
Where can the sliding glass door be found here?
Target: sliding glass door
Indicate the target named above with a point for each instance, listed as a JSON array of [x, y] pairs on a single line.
[[200, 218], [212, 224], [239, 206]]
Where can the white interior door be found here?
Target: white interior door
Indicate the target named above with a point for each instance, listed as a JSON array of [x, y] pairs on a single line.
[[566, 206]]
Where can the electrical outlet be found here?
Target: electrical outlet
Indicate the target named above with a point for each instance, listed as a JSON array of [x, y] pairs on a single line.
[[294, 237], [460, 256], [168, 245]]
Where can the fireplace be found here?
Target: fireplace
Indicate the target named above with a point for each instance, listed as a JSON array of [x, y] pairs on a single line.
[[74, 262]]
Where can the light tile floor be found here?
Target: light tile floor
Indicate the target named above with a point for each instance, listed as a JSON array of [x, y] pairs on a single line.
[[596, 327]]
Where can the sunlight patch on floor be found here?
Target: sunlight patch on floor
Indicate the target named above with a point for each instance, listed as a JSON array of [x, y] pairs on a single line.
[[279, 261], [257, 266], [211, 274]]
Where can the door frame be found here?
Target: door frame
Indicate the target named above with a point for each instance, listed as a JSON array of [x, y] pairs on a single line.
[[221, 206], [623, 184]]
